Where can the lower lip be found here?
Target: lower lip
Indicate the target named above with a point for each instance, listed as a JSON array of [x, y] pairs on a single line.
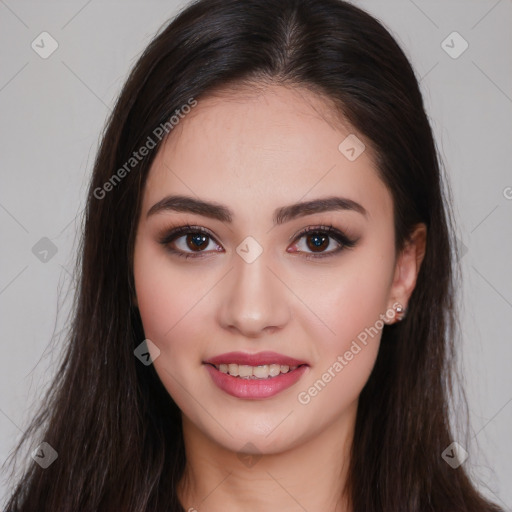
[[255, 388]]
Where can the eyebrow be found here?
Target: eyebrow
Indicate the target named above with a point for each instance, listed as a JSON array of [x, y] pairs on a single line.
[[213, 210]]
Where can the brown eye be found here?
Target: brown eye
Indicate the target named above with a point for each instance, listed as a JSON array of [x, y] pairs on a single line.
[[188, 241], [317, 242], [197, 241]]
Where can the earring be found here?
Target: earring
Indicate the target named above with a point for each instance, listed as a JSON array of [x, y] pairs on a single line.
[[400, 313]]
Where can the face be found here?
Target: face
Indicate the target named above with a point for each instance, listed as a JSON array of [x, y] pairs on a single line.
[[244, 277]]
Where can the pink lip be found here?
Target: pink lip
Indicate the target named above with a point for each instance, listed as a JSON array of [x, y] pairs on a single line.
[[259, 359], [255, 388]]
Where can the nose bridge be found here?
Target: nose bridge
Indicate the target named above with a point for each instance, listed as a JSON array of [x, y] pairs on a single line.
[[256, 300]]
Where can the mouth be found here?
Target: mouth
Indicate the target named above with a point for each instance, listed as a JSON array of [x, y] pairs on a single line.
[[265, 371], [254, 376]]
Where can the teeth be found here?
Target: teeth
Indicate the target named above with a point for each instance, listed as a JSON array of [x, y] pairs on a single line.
[[232, 369], [254, 372], [244, 371]]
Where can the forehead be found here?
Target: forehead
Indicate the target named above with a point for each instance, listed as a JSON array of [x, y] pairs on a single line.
[[266, 146]]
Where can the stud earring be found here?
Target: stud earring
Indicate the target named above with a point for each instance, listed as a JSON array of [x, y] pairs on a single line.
[[400, 313]]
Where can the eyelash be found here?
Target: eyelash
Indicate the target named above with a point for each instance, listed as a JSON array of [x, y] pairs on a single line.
[[344, 241]]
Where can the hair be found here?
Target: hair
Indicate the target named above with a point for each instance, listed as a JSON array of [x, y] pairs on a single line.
[[116, 429]]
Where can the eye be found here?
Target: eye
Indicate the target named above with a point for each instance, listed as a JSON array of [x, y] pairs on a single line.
[[318, 240], [195, 238]]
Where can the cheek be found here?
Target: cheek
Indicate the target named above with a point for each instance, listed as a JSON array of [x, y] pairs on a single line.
[[348, 299], [343, 364], [170, 309], [165, 296], [352, 305]]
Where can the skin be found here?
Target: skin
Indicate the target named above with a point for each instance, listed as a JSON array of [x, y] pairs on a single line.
[[254, 152]]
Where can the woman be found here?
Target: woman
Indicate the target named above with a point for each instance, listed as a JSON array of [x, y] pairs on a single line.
[[303, 361]]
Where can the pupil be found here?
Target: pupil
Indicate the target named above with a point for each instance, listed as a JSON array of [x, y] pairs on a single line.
[[198, 241], [319, 241]]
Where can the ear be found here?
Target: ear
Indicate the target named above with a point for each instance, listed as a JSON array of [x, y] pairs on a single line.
[[408, 266]]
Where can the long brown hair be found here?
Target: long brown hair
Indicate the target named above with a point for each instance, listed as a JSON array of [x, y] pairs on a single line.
[[117, 431]]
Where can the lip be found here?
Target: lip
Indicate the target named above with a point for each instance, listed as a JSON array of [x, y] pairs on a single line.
[[258, 359], [254, 388]]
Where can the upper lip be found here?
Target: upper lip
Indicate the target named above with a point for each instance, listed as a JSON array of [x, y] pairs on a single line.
[[258, 359]]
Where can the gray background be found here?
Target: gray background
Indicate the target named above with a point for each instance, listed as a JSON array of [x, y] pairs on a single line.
[[53, 111]]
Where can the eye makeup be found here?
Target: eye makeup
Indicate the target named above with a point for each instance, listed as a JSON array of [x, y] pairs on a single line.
[[204, 236]]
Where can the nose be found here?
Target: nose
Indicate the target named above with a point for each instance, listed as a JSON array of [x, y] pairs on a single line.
[[255, 301]]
